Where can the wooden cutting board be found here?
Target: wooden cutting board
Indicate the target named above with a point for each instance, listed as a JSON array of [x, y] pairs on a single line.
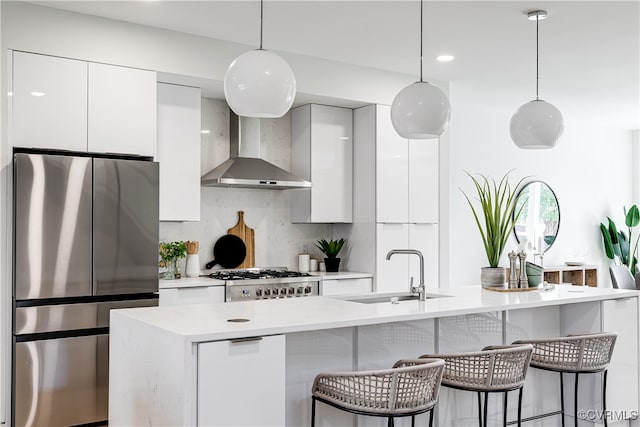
[[247, 234]]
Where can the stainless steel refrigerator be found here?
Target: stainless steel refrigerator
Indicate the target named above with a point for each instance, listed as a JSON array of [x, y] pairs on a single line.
[[85, 241]]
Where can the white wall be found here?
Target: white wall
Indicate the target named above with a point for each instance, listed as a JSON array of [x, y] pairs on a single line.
[[277, 241], [589, 170], [40, 29]]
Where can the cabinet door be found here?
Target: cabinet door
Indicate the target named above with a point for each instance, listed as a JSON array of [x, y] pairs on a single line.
[[424, 237], [423, 181], [49, 102], [392, 275], [194, 295], [122, 110], [346, 286], [392, 170], [621, 316], [242, 383], [178, 152], [331, 164]]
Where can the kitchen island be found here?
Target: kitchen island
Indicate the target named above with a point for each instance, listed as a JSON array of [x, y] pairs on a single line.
[[253, 363]]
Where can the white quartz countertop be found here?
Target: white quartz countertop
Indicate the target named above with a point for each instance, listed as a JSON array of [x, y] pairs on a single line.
[[210, 322], [189, 282], [340, 275]]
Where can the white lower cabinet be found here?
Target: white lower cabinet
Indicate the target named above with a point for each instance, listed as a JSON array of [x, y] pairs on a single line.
[[192, 295], [394, 275], [242, 382], [621, 316], [424, 237], [346, 286]]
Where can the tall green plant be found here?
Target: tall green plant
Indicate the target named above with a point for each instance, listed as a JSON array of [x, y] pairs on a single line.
[[498, 211], [617, 245]]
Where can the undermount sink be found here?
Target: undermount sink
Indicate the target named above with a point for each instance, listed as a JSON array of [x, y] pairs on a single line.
[[393, 299]]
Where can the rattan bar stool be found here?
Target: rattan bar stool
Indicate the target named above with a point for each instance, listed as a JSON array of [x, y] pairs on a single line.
[[576, 354], [495, 369], [410, 388]]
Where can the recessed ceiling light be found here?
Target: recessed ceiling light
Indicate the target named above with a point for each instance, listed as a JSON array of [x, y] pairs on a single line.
[[37, 93], [445, 58], [9, 93], [205, 131]]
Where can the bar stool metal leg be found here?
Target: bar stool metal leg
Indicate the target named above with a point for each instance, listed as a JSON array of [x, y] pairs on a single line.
[[486, 400], [520, 407], [604, 398], [562, 399], [504, 408], [575, 401], [431, 417], [479, 409], [313, 411], [413, 421]]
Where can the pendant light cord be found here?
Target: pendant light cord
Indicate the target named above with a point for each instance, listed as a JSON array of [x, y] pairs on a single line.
[[421, 6], [261, 16], [537, 59]]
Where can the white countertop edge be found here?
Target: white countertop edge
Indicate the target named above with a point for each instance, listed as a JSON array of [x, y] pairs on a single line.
[[341, 275], [208, 321], [189, 282]]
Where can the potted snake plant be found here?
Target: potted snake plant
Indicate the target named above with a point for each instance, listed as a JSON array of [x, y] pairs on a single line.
[[331, 248], [495, 218]]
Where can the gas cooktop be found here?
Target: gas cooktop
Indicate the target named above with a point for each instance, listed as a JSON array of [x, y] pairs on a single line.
[[256, 273]]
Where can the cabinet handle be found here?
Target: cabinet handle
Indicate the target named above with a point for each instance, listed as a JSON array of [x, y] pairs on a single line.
[[248, 339]]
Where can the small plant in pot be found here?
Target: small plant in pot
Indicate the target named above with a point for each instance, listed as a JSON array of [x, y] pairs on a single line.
[[495, 220], [170, 253], [331, 248]]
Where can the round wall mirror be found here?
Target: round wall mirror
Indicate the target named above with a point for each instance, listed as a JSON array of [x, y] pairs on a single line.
[[539, 220]]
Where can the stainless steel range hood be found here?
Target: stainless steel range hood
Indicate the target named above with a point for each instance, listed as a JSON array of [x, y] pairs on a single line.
[[245, 168]]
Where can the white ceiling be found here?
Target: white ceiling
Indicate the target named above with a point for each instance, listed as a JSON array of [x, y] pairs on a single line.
[[589, 50]]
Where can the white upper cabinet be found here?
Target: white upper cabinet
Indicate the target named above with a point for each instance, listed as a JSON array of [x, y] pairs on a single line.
[[49, 102], [178, 152], [392, 170], [423, 181], [66, 104], [322, 152], [122, 110]]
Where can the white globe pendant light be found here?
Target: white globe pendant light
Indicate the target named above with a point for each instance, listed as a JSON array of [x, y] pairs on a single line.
[[259, 83], [420, 110], [536, 124]]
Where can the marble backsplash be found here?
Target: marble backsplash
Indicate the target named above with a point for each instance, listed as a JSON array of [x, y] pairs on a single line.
[[277, 241]]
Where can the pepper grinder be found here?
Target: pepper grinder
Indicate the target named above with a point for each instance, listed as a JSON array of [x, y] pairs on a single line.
[[192, 268], [513, 273], [523, 280]]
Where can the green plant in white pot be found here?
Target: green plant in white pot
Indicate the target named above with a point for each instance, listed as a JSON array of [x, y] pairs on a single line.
[[331, 248], [495, 219]]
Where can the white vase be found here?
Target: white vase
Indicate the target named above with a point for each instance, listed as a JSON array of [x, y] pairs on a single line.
[[192, 268]]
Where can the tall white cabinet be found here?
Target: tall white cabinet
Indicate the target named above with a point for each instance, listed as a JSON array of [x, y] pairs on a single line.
[[178, 152], [322, 152], [67, 104], [395, 202]]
